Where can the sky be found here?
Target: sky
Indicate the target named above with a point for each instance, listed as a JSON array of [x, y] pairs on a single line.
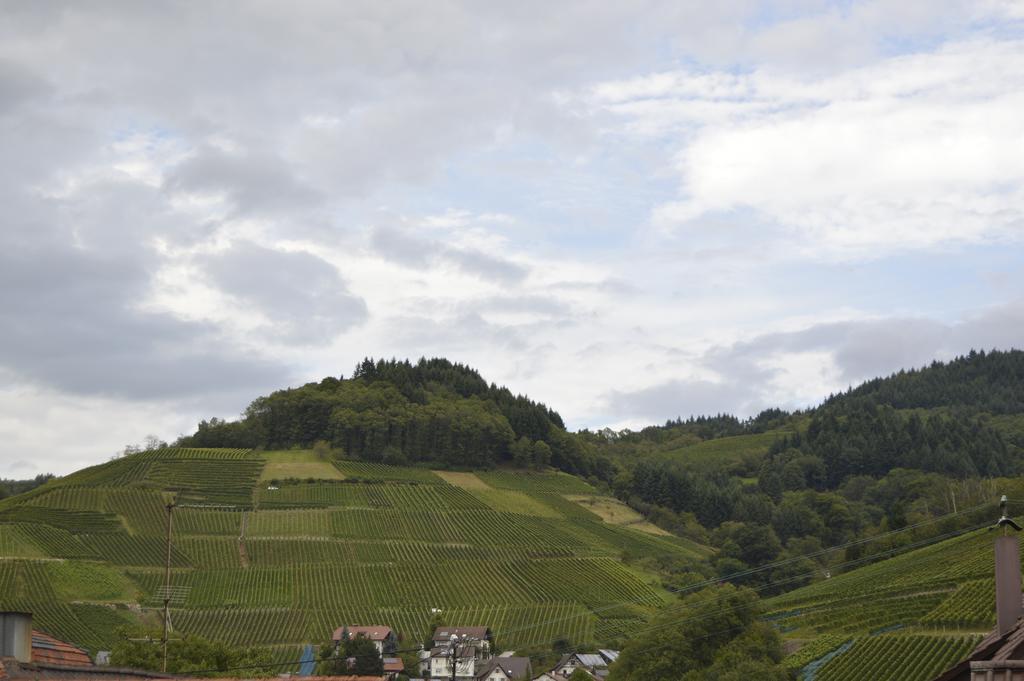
[[628, 211]]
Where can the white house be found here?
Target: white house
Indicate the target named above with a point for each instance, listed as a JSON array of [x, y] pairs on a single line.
[[475, 649], [440, 664]]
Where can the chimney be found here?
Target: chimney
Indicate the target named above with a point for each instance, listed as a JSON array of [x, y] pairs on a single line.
[[1008, 594], [16, 636]]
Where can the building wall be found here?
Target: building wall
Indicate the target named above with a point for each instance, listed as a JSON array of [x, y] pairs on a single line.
[[439, 668], [16, 636]]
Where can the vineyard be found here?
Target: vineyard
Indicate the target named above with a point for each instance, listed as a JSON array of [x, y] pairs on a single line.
[[897, 657], [283, 562], [908, 617]]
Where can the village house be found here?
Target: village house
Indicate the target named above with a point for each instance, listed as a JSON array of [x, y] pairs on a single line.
[[595, 664], [383, 637], [505, 668], [475, 651]]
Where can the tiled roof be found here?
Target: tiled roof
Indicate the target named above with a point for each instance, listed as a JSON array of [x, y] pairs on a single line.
[[591, 660], [393, 664], [374, 633], [48, 650], [38, 671], [445, 633], [514, 667], [304, 678]]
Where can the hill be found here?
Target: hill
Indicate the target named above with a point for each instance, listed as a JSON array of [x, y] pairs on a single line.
[[396, 412], [408, 488], [297, 545], [991, 382]]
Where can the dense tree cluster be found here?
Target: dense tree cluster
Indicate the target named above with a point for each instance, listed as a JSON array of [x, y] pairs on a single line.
[[398, 412], [752, 526], [866, 439], [714, 634], [8, 488], [992, 382], [679, 432], [190, 655]]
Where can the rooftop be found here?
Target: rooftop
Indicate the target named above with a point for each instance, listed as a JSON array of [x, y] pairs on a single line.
[[445, 633], [376, 632], [48, 650]]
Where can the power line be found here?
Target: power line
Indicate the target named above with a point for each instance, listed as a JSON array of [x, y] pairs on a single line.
[[908, 547], [649, 629], [768, 566]]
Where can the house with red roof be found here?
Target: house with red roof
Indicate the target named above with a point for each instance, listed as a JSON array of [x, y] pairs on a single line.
[[383, 637]]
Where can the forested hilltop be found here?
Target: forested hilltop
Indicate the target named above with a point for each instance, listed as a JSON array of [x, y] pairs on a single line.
[[891, 453], [432, 412]]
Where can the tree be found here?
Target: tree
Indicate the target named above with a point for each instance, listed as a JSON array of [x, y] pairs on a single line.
[[522, 452], [541, 454], [356, 655], [366, 660], [717, 626], [187, 655]]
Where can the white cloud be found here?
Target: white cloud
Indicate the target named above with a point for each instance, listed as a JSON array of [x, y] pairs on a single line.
[[912, 152], [188, 189]]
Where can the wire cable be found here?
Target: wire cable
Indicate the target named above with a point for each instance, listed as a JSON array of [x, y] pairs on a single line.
[[768, 566]]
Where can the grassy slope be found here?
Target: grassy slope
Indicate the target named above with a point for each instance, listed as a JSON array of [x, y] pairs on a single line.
[[928, 605], [385, 545], [724, 450]]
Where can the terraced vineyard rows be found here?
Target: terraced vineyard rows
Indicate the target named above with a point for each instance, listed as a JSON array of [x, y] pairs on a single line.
[[27, 585], [15, 543], [863, 614], [813, 650], [369, 496], [528, 481], [369, 472], [969, 606], [513, 626], [897, 657], [385, 545], [225, 481], [77, 521], [197, 453], [54, 541]]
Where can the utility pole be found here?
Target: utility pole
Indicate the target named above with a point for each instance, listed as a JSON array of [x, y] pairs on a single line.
[[170, 595], [456, 646], [167, 582], [453, 654]]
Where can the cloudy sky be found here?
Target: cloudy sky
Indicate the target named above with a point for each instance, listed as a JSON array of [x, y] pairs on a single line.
[[630, 211]]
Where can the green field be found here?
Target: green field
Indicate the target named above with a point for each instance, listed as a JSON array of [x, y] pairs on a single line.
[[723, 450], [347, 542]]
